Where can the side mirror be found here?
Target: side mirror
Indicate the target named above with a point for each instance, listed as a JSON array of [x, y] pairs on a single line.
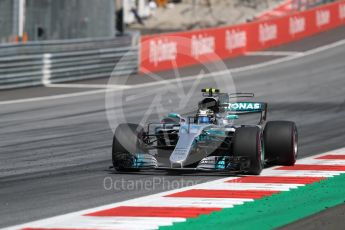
[[232, 117]]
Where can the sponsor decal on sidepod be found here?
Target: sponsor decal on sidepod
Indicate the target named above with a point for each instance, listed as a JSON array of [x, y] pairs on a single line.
[[162, 51]]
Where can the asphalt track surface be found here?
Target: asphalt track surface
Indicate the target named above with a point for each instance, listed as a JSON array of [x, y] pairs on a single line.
[[55, 153]]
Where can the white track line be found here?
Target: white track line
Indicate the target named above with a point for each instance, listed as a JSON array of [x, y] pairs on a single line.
[[88, 86], [322, 162], [86, 222], [55, 97], [186, 78], [300, 173], [193, 202], [273, 53], [249, 186]]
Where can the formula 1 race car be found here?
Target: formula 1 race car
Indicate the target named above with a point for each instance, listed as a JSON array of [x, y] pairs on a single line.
[[209, 140]]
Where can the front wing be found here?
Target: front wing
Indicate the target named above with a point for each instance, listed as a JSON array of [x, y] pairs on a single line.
[[208, 164]]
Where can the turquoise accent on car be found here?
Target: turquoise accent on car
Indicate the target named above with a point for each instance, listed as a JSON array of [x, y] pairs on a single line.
[[211, 135], [215, 132], [232, 117], [138, 161], [174, 115], [221, 164]]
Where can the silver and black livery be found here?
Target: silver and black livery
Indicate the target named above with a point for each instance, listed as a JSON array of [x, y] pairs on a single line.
[[209, 140]]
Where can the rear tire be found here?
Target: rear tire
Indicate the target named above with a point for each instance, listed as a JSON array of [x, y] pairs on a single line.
[[127, 141], [247, 142], [281, 140]]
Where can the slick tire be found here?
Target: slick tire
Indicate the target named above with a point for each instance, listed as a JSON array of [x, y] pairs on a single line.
[[126, 141], [247, 142], [281, 141]]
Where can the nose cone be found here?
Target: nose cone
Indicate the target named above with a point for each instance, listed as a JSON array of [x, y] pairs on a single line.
[[179, 156]]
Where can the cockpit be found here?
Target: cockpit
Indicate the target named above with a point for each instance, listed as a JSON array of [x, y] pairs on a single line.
[[207, 109]]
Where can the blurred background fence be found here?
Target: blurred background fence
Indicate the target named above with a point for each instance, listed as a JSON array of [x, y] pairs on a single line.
[[36, 63], [307, 4], [55, 20]]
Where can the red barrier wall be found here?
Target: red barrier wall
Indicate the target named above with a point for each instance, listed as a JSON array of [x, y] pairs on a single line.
[[171, 50]]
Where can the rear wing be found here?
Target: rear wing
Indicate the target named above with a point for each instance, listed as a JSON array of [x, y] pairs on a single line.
[[237, 108], [247, 108]]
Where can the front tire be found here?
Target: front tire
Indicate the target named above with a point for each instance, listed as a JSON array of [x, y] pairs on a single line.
[[281, 141], [247, 142], [127, 141]]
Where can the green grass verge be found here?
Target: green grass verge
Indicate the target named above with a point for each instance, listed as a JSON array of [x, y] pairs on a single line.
[[274, 211]]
